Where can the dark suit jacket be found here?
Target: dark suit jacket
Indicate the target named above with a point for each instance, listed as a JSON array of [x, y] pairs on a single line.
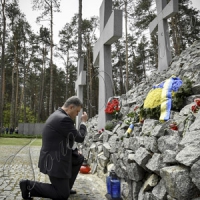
[[58, 136]]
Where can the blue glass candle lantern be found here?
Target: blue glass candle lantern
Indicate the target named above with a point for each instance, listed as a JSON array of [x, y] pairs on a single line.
[[108, 181], [115, 187]]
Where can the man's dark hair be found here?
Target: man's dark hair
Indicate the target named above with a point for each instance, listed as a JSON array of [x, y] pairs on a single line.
[[74, 100]]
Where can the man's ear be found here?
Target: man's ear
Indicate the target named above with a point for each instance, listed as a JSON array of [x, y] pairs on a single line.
[[71, 107]]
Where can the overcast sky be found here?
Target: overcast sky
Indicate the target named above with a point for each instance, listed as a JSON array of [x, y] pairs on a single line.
[[68, 9]]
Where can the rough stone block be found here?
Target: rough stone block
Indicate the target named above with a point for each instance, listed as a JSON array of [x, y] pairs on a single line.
[[148, 125], [149, 183], [113, 143], [136, 186], [195, 174], [106, 149], [196, 89], [103, 161], [156, 163], [159, 191], [169, 156], [134, 143], [106, 135], [142, 156], [168, 142], [189, 155], [135, 172], [150, 143], [178, 182]]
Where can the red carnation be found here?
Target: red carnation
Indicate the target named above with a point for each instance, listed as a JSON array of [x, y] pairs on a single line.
[[112, 106], [197, 101], [194, 108]]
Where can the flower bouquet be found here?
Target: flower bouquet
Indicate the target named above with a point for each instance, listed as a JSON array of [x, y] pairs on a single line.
[[196, 106], [113, 106]]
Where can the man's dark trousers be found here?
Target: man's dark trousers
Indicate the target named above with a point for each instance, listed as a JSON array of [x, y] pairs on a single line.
[[59, 188], [77, 161]]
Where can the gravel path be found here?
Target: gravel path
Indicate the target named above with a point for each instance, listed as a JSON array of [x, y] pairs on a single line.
[[20, 162]]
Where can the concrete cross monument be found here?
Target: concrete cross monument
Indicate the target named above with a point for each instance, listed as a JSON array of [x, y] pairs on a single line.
[[81, 81], [110, 31], [164, 11]]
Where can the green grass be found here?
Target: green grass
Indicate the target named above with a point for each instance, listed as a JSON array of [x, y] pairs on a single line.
[[19, 136], [20, 141]]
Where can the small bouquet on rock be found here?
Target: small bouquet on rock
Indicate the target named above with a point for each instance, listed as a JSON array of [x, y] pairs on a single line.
[[196, 106], [112, 106], [135, 116], [173, 126], [101, 131]]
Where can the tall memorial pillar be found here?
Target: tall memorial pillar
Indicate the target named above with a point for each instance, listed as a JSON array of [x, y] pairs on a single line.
[[164, 11], [110, 31], [81, 81]]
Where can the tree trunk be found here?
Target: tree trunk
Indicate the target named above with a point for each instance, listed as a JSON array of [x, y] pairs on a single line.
[[12, 99], [90, 81], [2, 67], [12, 106], [24, 93], [121, 77], [176, 35], [126, 35], [80, 29], [67, 78], [51, 65], [16, 116], [39, 116], [143, 65]]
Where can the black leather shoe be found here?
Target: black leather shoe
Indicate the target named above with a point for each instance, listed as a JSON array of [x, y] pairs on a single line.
[[72, 191], [24, 189]]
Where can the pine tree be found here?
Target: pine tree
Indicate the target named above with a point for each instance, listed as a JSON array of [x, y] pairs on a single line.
[[48, 7]]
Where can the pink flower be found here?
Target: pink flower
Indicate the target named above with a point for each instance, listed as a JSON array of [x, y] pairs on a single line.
[[136, 107]]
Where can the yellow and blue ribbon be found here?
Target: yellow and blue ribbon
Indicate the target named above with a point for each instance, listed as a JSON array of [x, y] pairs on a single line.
[[161, 94], [171, 85]]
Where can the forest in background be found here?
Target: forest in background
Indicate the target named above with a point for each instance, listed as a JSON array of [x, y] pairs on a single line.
[[32, 86]]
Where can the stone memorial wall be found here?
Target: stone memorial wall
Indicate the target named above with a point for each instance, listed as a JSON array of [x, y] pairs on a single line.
[[155, 162]]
